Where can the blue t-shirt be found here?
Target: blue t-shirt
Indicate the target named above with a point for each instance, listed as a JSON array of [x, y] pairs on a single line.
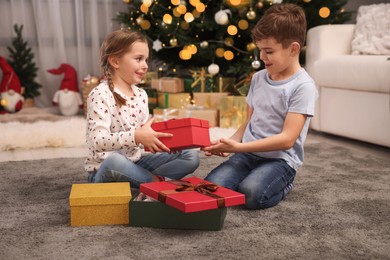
[[271, 101]]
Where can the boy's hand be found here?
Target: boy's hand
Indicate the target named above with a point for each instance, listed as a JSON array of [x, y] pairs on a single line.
[[149, 138], [213, 149]]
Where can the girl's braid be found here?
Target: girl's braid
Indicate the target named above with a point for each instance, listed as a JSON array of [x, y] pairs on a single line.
[[107, 74]]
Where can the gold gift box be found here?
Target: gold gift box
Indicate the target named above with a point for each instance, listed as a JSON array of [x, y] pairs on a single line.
[[173, 100], [211, 115], [233, 112], [99, 204], [209, 100], [170, 85]]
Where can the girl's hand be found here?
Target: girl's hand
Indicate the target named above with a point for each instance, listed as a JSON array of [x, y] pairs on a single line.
[[150, 138]]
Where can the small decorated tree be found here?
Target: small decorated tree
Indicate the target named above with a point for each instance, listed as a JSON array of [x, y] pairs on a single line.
[[21, 60]]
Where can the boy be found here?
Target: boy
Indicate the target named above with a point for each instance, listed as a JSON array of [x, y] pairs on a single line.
[[269, 146]]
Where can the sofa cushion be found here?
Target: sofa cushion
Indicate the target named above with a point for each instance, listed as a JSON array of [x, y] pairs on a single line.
[[356, 72], [372, 32]]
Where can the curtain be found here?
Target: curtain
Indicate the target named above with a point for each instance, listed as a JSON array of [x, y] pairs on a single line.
[[59, 31]]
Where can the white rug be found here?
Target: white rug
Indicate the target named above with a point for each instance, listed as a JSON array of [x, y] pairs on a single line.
[[68, 132]]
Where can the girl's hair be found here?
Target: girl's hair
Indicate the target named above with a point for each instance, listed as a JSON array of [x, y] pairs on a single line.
[[284, 22], [117, 44]]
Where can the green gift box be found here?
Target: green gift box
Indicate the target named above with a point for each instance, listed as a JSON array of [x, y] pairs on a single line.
[[158, 215]]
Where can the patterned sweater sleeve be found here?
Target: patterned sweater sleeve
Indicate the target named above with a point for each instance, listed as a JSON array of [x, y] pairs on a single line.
[[104, 131]]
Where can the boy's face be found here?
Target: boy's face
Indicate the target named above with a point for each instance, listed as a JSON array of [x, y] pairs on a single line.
[[278, 61]]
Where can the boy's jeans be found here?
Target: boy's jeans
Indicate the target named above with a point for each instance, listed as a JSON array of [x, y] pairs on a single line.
[[117, 168], [262, 180]]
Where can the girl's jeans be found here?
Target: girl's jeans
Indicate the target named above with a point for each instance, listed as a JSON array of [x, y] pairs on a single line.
[[262, 180], [118, 168]]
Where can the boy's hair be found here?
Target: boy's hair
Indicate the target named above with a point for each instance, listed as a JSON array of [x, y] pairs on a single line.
[[117, 44], [284, 22]]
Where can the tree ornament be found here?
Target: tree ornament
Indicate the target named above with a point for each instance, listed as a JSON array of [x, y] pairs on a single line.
[[256, 64], [204, 44], [251, 15], [260, 5], [173, 42], [250, 46], [213, 69], [221, 17], [157, 45]]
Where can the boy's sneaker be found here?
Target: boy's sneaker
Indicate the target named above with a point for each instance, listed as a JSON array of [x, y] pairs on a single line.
[[288, 188]]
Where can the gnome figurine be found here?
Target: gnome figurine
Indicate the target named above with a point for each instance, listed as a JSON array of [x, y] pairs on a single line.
[[68, 97], [10, 88]]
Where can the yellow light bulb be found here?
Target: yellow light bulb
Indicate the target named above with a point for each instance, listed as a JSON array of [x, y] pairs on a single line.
[[228, 55], [185, 54], [182, 9], [235, 2], [145, 24], [219, 52], [200, 7], [144, 8], [232, 30], [243, 24], [192, 49], [175, 2], [147, 2], [194, 2], [324, 12], [188, 17], [167, 18]]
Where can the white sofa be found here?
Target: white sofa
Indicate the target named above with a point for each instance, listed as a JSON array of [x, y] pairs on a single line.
[[354, 90]]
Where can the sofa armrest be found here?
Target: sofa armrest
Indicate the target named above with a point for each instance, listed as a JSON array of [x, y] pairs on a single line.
[[327, 40]]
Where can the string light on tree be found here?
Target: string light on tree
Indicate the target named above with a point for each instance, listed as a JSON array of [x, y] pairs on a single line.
[[324, 12]]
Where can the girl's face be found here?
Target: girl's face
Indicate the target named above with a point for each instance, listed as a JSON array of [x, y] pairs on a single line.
[[278, 60], [133, 65]]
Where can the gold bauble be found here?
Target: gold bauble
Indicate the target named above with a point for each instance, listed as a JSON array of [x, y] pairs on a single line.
[[173, 42], [250, 46], [204, 44], [251, 15]]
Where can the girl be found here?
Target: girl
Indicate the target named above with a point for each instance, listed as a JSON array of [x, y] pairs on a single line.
[[118, 122]]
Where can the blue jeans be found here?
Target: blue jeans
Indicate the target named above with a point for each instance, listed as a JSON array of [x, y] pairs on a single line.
[[262, 180], [118, 168]]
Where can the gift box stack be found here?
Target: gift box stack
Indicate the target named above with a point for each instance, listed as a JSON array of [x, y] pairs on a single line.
[[190, 203], [201, 96]]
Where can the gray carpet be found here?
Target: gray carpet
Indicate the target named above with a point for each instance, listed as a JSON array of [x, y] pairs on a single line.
[[339, 208]]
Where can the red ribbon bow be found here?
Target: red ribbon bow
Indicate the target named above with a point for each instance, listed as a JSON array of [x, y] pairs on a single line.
[[202, 187]]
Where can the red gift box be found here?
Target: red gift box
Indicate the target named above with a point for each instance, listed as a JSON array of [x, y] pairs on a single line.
[[187, 133], [192, 194]]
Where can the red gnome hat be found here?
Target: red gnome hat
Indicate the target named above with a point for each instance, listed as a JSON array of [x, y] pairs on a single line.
[[69, 81], [10, 80]]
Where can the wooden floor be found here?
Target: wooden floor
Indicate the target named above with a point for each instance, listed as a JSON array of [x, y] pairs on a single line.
[[50, 153]]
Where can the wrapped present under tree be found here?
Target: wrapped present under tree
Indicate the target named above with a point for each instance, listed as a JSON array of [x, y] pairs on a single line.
[[233, 111]]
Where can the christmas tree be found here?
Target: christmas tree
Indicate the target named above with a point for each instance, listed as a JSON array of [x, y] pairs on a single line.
[[21, 60], [199, 33]]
